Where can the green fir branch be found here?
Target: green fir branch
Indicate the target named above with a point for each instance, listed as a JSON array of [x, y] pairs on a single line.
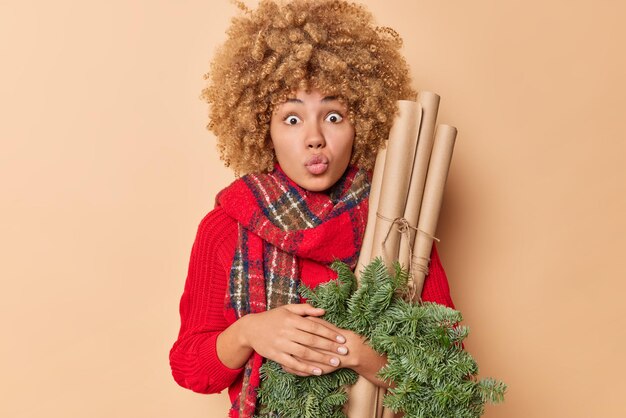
[[433, 377]]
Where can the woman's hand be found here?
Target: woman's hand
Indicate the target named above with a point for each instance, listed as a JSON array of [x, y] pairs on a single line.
[[360, 357], [287, 336]]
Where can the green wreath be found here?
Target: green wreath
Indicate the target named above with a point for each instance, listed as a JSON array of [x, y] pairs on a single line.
[[433, 376]]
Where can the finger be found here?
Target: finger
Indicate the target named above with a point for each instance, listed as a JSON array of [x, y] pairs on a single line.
[[322, 328], [325, 323], [325, 368], [299, 366], [340, 332], [309, 354], [320, 344], [304, 309]]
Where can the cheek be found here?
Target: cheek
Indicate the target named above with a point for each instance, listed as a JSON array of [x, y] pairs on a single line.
[[276, 141], [282, 148], [348, 145]]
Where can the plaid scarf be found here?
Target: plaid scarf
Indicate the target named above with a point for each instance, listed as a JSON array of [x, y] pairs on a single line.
[[279, 223]]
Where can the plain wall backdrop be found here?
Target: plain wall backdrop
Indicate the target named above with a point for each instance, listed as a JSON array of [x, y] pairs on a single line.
[[106, 169]]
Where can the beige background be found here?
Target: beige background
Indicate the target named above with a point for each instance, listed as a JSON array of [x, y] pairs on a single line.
[[106, 170]]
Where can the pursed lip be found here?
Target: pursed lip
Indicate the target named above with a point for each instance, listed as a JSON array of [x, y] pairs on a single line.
[[317, 165], [316, 159]]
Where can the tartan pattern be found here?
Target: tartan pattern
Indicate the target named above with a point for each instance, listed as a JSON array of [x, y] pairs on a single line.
[[281, 277], [278, 223]]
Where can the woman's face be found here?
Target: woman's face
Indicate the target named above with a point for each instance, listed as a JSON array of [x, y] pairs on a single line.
[[312, 139]]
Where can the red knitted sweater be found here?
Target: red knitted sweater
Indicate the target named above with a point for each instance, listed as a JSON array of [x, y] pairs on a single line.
[[193, 357]]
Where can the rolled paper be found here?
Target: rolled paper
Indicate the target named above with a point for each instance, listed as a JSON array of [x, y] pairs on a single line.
[[368, 237], [363, 398], [412, 182], [387, 413], [440, 155], [429, 103], [381, 411], [431, 204], [430, 106], [395, 183], [390, 185]]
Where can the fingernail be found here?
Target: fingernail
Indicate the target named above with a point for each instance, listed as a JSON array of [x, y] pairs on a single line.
[[317, 372], [342, 350], [340, 339], [334, 362]]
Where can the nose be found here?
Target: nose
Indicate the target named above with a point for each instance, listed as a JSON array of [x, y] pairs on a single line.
[[315, 137]]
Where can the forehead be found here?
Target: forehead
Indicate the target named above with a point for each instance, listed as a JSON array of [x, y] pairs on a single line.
[[313, 97]]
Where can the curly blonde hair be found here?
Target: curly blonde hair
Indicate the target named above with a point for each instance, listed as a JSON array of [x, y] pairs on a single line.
[[281, 47]]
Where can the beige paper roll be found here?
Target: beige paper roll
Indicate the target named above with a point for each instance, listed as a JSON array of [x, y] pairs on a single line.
[[363, 400], [368, 237], [395, 184], [429, 103], [431, 203], [431, 196], [388, 413], [389, 198], [430, 106], [389, 186]]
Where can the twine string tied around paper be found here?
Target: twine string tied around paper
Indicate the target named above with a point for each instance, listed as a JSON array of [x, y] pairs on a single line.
[[415, 262]]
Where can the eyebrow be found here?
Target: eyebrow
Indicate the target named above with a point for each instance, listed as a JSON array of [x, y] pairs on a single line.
[[324, 100]]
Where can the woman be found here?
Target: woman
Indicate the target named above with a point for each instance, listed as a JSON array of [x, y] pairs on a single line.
[[302, 95]]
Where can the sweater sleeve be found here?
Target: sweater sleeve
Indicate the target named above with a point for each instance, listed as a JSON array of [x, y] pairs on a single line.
[[436, 287], [193, 357]]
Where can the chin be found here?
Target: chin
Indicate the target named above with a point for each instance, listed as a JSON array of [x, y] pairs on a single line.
[[317, 185], [314, 187]]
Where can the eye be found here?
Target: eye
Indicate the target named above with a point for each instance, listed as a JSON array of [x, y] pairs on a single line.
[[292, 120], [334, 117]]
